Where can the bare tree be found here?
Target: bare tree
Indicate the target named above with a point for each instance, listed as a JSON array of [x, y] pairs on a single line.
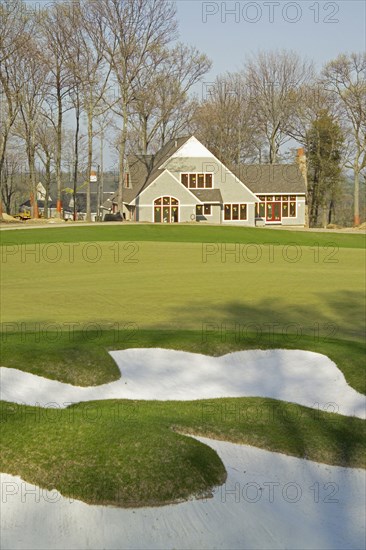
[[13, 25], [274, 79], [51, 22], [345, 78], [132, 33], [31, 99], [86, 61], [162, 108], [46, 140], [224, 120], [11, 175]]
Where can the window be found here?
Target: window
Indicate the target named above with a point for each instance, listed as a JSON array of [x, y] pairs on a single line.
[[261, 209], [208, 180], [197, 181], [204, 209], [273, 208], [166, 210], [234, 212], [243, 211], [288, 207], [127, 180], [192, 181]]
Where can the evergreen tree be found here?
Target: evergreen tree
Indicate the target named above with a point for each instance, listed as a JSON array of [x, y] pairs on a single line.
[[324, 144]]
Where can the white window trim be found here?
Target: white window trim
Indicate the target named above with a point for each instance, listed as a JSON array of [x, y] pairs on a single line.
[[162, 206], [203, 209], [281, 201], [196, 173], [239, 204]]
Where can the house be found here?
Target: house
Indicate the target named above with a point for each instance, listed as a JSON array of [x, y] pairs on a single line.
[[81, 205], [41, 195], [27, 207], [185, 182]]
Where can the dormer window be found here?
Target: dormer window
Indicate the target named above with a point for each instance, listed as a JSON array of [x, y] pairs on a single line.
[[197, 180]]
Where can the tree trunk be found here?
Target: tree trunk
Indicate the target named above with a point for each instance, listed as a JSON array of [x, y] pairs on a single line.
[[122, 154], [331, 211], [101, 180], [76, 155], [47, 186], [324, 216], [356, 208], [272, 150], [59, 149], [32, 177], [90, 160]]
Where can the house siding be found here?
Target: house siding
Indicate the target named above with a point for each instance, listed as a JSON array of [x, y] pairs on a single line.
[[215, 216], [232, 190], [166, 186], [300, 214]]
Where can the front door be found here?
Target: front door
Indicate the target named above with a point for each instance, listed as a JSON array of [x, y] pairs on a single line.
[[273, 211]]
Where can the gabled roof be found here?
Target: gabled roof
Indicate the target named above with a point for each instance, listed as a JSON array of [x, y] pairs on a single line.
[[257, 178], [271, 178], [143, 170], [40, 204], [162, 156]]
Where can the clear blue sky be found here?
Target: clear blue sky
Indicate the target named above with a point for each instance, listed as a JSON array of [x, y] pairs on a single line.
[[317, 30]]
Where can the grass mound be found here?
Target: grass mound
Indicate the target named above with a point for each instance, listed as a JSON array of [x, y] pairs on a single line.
[[134, 453]]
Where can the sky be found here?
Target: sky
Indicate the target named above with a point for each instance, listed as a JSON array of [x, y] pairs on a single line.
[[229, 32]]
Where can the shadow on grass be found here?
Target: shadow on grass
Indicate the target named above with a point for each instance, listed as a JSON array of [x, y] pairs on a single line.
[[81, 358]]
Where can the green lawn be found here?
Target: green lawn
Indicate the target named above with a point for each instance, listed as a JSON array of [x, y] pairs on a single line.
[[178, 233], [68, 295], [132, 453], [160, 285]]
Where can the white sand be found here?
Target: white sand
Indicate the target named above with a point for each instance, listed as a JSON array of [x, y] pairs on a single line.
[[269, 501], [302, 377], [285, 514]]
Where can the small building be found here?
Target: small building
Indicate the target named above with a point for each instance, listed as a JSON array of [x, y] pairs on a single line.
[[185, 182], [27, 207], [81, 200]]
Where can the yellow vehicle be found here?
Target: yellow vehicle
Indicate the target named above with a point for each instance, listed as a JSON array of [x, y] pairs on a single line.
[[23, 215]]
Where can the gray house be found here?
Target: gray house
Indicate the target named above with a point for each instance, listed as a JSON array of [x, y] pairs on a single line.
[[185, 182]]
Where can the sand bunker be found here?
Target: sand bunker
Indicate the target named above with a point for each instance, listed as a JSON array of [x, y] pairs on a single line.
[[302, 377]]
